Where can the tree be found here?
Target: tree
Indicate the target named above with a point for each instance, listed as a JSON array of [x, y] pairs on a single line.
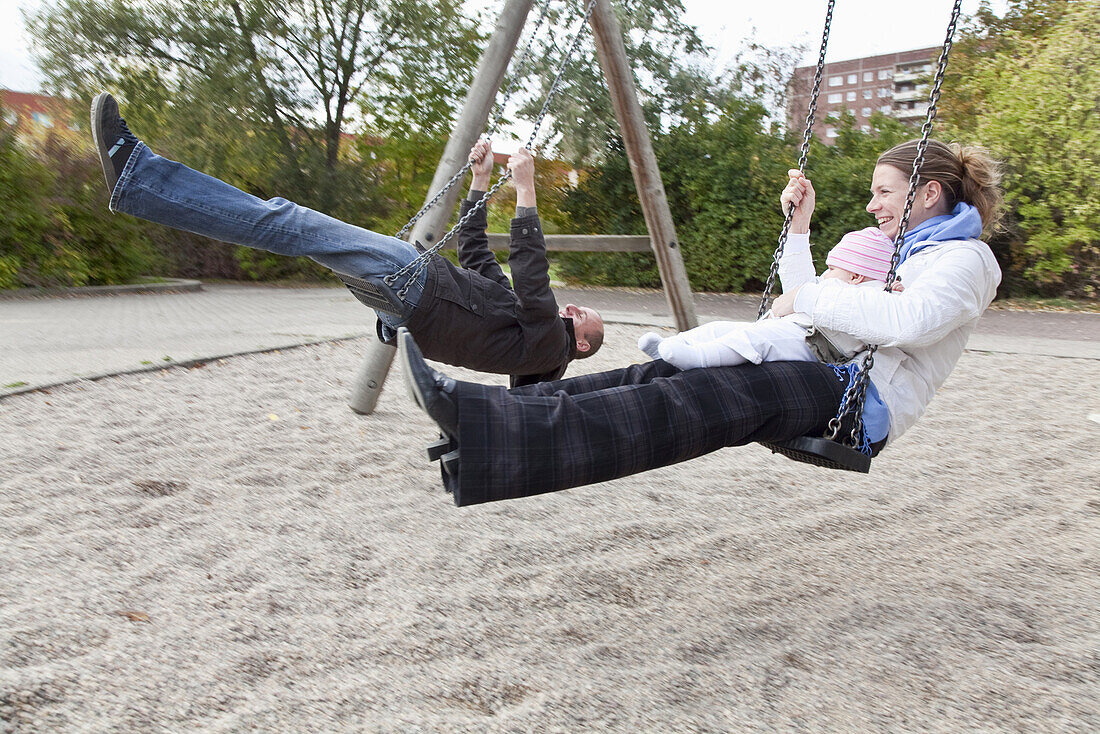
[[264, 94], [722, 177], [725, 177], [1027, 86], [841, 174], [604, 201], [28, 214], [251, 88], [665, 52]]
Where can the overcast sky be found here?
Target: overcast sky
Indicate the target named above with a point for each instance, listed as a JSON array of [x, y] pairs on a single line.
[[860, 28]]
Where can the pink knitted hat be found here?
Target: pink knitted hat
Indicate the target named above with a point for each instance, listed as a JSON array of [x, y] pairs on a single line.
[[866, 252]]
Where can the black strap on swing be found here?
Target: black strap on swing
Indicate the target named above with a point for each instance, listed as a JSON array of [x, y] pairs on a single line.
[[381, 292], [851, 452]]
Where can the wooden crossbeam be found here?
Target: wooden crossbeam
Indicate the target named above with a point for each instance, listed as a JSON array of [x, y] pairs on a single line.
[[579, 243]]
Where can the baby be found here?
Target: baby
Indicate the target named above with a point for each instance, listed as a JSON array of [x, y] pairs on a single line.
[[860, 259]]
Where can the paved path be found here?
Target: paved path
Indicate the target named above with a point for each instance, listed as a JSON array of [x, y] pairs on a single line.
[[45, 341]]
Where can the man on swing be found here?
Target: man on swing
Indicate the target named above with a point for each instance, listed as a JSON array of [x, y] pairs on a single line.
[[468, 316]]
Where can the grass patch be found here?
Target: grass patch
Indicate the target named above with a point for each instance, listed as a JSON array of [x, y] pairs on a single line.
[[16, 384], [1035, 303]]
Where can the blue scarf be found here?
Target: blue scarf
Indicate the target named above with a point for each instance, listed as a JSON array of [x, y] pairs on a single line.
[[962, 223]]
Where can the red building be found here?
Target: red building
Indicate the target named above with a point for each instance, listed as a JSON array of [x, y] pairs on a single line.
[[36, 115], [894, 84]]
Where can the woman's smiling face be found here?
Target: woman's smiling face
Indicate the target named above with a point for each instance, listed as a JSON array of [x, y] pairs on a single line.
[[888, 189]]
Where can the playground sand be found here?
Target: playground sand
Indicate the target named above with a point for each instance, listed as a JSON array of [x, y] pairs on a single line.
[[229, 548]]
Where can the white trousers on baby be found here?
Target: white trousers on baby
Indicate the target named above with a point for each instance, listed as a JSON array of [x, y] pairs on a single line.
[[729, 343]]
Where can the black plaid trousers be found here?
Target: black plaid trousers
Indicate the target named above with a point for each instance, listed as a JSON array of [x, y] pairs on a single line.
[[592, 428]]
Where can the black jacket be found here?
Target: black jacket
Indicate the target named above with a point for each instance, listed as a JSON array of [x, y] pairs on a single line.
[[471, 316]]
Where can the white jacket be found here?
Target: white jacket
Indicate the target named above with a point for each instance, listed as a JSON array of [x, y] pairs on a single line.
[[921, 331]]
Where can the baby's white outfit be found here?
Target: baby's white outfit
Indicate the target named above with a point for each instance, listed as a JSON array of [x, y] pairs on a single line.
[[729, 343]]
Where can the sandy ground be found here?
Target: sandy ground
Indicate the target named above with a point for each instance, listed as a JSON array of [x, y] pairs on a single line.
[[229, 548]]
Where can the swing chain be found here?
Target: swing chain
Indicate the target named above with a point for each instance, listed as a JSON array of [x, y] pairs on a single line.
[[855, 395], [922, 145], [420, 262], [804, 152], [490, 132], [561, 71]]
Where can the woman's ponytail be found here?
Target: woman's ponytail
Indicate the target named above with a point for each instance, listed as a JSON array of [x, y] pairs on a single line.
[[966, 173]]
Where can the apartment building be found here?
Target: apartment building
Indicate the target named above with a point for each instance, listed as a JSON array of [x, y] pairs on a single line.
[[34, 116], [894, 84]]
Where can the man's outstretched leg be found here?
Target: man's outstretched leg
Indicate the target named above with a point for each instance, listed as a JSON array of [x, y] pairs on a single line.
[[514, 444], [159, 190], [634, 374]]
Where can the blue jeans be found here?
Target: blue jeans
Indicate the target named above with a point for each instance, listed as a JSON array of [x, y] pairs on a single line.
[[169, 193]]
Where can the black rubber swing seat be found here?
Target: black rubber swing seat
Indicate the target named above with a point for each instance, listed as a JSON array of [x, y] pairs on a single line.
[[375, 293], [821, 452]]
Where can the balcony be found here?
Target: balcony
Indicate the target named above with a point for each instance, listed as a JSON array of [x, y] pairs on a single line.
[[916, 113], [910, 76], [911, 96]]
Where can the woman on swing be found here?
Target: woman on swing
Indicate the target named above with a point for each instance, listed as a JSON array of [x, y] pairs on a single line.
[[592, 428]]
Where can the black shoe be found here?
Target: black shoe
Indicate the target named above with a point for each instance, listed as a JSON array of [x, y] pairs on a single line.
[[428, 388], [113, 139]]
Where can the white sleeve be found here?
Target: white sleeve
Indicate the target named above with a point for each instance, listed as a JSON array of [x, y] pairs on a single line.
[[796, 266], [955, 289]]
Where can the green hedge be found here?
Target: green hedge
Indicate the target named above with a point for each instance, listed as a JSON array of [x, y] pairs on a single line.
[[57, 230]]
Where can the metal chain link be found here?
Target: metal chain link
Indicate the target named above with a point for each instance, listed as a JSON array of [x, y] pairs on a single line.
[[804, 152], [577, 38], [490, 132], [922, 146], [855, 395], [420, 262]]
